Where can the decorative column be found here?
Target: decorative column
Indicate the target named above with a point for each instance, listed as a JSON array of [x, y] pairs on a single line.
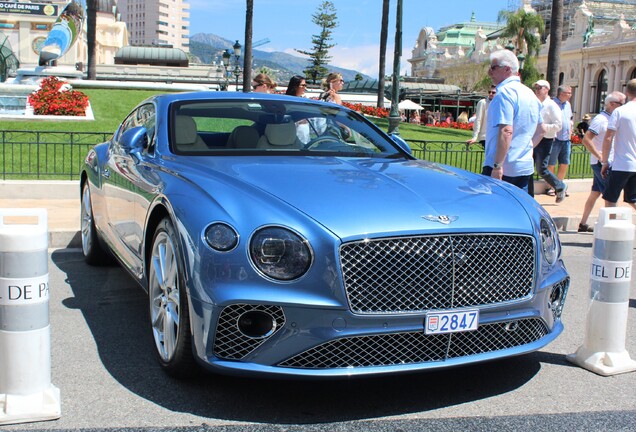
[[585, 85], [618, 76], [610, 77]]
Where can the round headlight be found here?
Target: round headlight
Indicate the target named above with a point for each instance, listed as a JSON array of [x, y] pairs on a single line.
[[279, 253], [221, 237], [549, 241]]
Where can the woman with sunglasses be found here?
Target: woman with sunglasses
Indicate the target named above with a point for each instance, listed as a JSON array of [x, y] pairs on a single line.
[[262, 83], [332, 85], [297, 86]]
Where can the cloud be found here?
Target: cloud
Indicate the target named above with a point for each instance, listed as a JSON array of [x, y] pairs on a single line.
[[366, 59]]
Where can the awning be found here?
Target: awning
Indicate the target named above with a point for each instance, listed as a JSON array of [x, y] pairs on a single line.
[[408, 104]]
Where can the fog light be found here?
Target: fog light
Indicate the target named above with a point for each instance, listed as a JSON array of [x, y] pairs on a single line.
[[256, 324], [557, 297]]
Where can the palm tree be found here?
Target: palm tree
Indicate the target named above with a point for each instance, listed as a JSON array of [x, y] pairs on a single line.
[[554, 50], [522, 27], [384, 30], [91, 21], [247, 53]]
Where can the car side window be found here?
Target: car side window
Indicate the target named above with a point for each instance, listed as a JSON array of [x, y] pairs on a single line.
[[141, 116]]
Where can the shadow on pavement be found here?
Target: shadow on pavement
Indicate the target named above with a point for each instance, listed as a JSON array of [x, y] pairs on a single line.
[[115, 310]]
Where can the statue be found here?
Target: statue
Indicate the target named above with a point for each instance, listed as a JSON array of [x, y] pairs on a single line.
[[63, 35]]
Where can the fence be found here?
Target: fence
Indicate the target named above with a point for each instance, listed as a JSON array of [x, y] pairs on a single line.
[[60, 155]]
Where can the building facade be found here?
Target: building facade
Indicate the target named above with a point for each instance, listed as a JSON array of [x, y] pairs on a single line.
[[598, 53], [24, 26], [157, 22]]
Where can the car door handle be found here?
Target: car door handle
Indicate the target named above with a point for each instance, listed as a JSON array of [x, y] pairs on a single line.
[[106, 173]]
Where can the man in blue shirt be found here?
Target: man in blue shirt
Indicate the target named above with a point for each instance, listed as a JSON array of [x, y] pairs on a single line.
[[514, 124], [561, 146]]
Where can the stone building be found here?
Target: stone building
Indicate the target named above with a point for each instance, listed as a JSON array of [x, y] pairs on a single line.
[[598, 53]]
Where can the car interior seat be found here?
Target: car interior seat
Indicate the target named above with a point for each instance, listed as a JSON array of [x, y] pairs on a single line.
[[243, 137], [280, 136], [186, 135]]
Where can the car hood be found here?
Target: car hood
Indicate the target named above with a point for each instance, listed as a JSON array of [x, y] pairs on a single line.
[[354, 196]]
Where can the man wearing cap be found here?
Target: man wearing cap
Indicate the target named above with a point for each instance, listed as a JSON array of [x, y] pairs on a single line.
[[552, 122], [514, 124]]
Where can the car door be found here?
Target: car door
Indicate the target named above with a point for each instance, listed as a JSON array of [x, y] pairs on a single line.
[[121, 179]]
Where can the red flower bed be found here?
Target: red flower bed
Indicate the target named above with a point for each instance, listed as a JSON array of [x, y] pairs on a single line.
[[50, 99], [575, 139], [367, 110], [453, 125]]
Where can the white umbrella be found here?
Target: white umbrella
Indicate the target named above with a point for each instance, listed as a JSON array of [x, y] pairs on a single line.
[[408, 104]]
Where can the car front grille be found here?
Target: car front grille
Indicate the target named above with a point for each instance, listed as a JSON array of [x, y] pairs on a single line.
[[229, 342], [415, 274], [417, 347]]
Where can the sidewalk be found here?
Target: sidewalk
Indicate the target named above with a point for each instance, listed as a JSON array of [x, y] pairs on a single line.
[[61, 199]]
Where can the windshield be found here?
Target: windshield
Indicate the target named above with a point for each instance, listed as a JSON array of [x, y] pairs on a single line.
[[274, 127]]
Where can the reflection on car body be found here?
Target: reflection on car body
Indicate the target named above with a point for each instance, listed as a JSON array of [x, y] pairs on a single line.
[[282, 236]]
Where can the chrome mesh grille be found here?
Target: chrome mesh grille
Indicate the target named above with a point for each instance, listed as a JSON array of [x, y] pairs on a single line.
[[417, 347], [229, 342], [415, 274]]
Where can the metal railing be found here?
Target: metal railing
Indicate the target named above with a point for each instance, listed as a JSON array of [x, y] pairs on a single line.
[[45, 155], [59, 155]]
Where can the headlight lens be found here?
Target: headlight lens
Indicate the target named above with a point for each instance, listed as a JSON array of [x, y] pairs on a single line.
[[221, 237], [279, 253], [549, 241]]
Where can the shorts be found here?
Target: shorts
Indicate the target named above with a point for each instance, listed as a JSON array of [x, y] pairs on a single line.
[[560, 152], [599, 183], [621, 181]]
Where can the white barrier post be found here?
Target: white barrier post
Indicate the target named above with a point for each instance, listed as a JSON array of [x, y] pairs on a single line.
[[603, 350], [26, 392]]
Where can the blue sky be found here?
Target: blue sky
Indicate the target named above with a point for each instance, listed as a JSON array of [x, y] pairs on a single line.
[[287, 23]]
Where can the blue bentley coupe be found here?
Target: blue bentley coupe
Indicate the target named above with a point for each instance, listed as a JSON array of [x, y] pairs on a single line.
[[283, 236]]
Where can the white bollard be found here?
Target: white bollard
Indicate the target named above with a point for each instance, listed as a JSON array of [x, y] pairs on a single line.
[[26, 392], [603, 350]]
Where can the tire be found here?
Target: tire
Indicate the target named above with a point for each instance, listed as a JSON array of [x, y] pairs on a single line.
[[168, 304], [94, 253]]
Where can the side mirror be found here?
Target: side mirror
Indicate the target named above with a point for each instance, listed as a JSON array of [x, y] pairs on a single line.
[[401, 143], [133, 141]]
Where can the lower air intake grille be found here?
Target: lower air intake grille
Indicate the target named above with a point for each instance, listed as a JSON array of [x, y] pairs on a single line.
[[417, 347]]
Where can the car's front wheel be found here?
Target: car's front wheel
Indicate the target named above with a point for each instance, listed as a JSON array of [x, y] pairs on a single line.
[[94, 254], [169, 313]]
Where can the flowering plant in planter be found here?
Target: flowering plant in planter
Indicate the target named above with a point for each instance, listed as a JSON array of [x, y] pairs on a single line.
[[368, 110], [52, 98]]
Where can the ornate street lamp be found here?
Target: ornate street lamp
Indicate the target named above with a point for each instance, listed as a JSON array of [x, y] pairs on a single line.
[[394, 115], [237, 55], [226, 64]]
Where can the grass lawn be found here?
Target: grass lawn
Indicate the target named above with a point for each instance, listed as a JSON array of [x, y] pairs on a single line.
[[110, 106]]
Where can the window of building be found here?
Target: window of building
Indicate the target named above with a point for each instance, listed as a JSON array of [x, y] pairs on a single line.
[[601, 91]]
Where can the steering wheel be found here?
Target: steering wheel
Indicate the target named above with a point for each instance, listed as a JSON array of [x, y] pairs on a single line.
[[323, 139]]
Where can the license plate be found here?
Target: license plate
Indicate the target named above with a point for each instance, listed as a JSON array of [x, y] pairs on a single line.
[[451, 321]]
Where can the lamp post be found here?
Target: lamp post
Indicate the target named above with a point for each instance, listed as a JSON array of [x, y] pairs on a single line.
[[459, 92], [237, 55], [522, 60], [226, 63], [394, 115]]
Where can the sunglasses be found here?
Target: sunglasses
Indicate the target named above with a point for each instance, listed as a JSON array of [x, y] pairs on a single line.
[[492, 92], [303, 85], [493, 67], [257, 85]]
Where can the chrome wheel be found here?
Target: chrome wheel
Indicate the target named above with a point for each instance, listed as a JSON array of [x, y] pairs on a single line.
[[86, 221], [165, 296], [168, 303]]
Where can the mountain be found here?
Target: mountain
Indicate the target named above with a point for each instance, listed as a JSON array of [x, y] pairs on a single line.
[[208, 47]]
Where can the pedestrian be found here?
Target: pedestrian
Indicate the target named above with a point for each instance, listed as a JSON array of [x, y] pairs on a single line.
[[552, 122], [481, 115], [297, 86], [514, 124], [621, 138], [593, 142], [262, 83], [332, 85], [462, 118], [583, 125], [561, 145]]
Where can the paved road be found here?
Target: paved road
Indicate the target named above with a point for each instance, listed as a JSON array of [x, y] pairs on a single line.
[[103, 363]]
